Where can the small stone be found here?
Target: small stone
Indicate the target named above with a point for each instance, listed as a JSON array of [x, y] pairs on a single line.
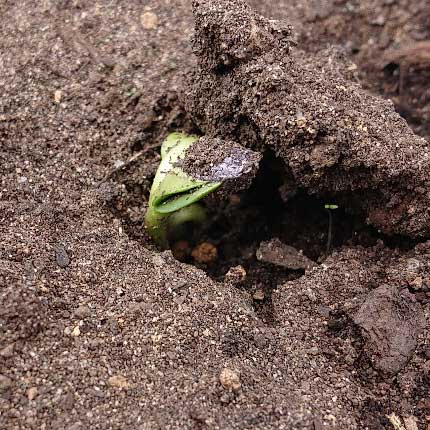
[[417, 283], [82, 312], [234, 199], [149, 20], [379, 20], [205, 253], [61, 256], [410, 423], [5, 383], [413, 265], [258, 295], [32, 393], [278, 253], [7, 351], [235, 275], [229, 379], [76, 331], [118, 381], [313, 351], [57, 96], [68, 401]]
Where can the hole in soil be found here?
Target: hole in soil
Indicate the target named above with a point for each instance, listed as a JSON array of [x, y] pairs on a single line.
[[271, 208]]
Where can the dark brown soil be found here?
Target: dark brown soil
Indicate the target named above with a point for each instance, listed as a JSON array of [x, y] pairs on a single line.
[[99, 329]]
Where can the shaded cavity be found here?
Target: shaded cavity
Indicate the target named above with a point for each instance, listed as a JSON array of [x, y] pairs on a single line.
[[272, 207]]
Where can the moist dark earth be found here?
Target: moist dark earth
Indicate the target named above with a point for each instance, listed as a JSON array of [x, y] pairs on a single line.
[[283, 313]]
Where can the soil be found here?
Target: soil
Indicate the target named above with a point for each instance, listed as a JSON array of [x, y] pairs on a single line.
[[99, 329]]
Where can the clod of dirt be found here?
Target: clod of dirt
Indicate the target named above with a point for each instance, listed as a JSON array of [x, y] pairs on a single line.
[[205, 253], [391, 321], [236, 33], [279, 254], [213, 160], [22, 312], [229, 379], [235, 275], [335, 138]]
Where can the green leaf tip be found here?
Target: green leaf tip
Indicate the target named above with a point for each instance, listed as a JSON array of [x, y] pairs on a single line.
[[174, 194], [331, 206]]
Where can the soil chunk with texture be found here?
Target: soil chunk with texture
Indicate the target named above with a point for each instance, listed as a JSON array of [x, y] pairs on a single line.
[[276, 252], [213, 160], [391, 322], [335, 138]]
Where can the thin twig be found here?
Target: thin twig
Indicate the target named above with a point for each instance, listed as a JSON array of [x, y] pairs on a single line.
[[73, 37], [131, 160]]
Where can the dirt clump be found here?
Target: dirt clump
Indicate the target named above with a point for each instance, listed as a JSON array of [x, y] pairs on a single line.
[[216, 160], [334, 137], [279, 254], [391, 321]]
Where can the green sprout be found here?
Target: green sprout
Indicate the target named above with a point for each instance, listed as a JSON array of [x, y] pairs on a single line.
[[329, 207], [174, 194]]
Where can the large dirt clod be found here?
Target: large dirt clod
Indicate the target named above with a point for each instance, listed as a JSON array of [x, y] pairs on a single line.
[[335, 138], [391, 322]]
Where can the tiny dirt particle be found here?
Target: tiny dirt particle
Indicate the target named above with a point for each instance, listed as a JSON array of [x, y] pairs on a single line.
[[5, 383], [61, 256], [32, 393], [235, 275], [229, 379], [258, 295], [149, 20], [205, 253], [7, 351], [118, 381]]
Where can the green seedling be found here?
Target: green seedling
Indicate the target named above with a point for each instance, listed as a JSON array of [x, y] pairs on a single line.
[[329, 208], [174, 194]]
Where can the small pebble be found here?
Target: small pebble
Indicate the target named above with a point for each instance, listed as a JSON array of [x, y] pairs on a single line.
[[149, 20], [235, 275], [5, 383], [7, 351], [118, 381], [229, 379], [82, 312], [258, 295], [57, 96], [417, 283], [61, 256], [32, 393]]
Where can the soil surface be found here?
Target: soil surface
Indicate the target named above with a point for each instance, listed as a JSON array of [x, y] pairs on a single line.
[[284, 313]]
